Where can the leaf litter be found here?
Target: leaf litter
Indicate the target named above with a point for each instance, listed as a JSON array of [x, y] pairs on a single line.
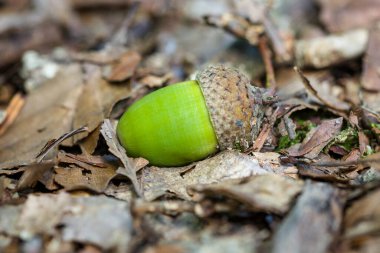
[[311, 180]]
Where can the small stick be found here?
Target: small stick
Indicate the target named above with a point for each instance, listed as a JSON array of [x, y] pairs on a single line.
[[12, 112], [266, 54]]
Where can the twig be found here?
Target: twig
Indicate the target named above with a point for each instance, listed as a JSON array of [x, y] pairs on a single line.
[[277, 41], [121, 35], [53, 143], [313, 91], [12, 111], [266, 54]]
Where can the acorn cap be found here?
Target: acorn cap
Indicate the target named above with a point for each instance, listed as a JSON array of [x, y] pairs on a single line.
[[235, 107]]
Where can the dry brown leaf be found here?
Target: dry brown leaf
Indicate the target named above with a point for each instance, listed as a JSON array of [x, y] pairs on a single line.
[[75, 97], [343, 15], [52, 144], [262, 193], [224, 166], [89, 143], [83, 161], [96, 100], [10, 214], [313, 223], [363, 217], [46, 115], [153, 81], [115, 148], [41, 214], [98, 220], [330, 50], [371, 75], [362, 225], [102, 221], [122, 191], [124, 68], [33, 173], [76, 178], [38, 169], [322, 135], [328, 100], [84, 172]]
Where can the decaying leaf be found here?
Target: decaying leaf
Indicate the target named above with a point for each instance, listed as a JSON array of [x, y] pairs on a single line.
[[85, 172], [362, 225], [9, 217], [39, 167], [33, 173], [363, 217], [96, 100], [102, 221], [326, 99], [74, 178], [322, 135], [261, 193], [42, 119], [153, 81], [72, 99], [330, 50], [98, 220], [313, 223], [342, 15], [124, 68], [224, 166], [371, 74], [115, 148]]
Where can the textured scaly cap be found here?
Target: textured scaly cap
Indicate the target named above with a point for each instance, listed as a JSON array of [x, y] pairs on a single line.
[[235, 107]]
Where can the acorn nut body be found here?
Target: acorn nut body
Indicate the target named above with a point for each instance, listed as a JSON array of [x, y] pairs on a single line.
[[188, 121]]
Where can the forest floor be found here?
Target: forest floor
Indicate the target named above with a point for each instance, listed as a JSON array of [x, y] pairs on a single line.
[[70, 68]]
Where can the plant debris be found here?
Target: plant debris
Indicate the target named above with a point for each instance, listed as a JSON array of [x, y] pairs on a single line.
[[310, 182]]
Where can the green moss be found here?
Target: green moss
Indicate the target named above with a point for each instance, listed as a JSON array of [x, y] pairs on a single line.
[[346, 139], [304, 126]]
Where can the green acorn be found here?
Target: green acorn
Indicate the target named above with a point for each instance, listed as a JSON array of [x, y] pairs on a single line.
[[189, 121]]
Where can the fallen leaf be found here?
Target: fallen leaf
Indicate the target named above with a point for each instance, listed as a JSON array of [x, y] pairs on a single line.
[[323, 134], [343, 15], [33, 173], [102, 221], [42, 214], [99, 220], [371, 73], [123, 68], [85, 172], [91, 177], [44, 119], [224, 166], [115, 148], [262, 193], [326, 99], [314, 222], [96, 100], [122, 191], [10, 214], [153, 81], [363, 217]]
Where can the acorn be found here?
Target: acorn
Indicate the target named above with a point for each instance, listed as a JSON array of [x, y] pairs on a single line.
[[189, 121]]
